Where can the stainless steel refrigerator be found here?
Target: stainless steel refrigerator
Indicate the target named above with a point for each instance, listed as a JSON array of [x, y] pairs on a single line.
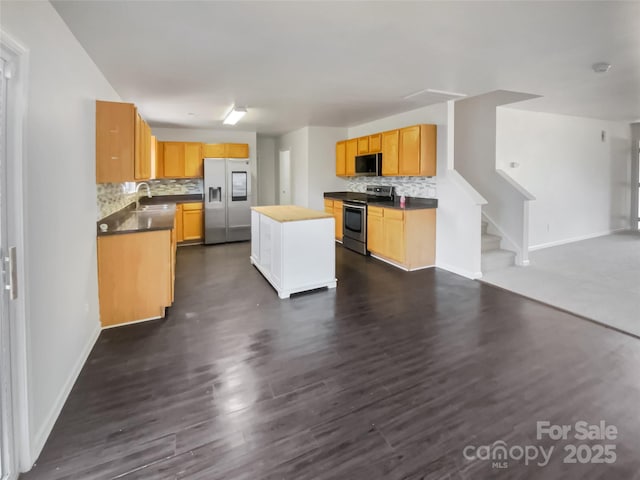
[[227, 200]]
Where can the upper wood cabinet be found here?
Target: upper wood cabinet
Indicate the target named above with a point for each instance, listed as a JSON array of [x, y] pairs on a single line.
[[181, 160], [363, 145], [193, 163], [214, 150], [418, 151], [369, 144], [226, 150], [159, 159], [341, 158], [390, 156], [375, 144], [350, 159], [142, 157], [237, 150], [409, 151], [115, 142], [123, 143], [173, 159]]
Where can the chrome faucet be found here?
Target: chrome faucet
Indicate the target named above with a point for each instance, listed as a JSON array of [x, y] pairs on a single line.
[[138, 196]]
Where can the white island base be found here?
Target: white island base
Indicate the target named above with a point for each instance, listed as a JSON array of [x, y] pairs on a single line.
[[293, 247]]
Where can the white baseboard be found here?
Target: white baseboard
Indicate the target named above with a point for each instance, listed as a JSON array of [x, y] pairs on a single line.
[[459, 271], [44, 431], [574, 239]]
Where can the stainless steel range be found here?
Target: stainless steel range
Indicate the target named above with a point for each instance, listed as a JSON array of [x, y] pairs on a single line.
[[354, 210]]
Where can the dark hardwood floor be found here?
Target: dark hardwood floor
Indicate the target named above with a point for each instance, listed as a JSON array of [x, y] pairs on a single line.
[[389, 376]]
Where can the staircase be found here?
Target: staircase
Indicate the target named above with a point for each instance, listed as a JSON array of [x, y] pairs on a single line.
[[493, 257]]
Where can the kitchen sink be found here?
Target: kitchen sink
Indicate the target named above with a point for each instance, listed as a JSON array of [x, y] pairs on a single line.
[[153, 208]]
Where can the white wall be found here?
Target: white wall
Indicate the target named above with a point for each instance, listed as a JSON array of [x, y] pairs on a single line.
[[475, 159], [297, 142], [267, 159], [322, 164], [313, 164], [216, 136], [581, 183], [60, 208], [458, 215]]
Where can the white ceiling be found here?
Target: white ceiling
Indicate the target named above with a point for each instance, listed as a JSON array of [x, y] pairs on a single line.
[[344, 63]]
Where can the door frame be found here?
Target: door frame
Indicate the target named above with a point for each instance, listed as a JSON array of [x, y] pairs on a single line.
[[635, 176], [280, 158], [17, 57]]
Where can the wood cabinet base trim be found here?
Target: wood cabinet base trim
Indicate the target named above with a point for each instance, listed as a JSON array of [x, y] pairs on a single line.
[[160, 317], [399, 265]]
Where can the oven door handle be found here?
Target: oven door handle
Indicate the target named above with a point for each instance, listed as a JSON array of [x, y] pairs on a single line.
[[358, 207]]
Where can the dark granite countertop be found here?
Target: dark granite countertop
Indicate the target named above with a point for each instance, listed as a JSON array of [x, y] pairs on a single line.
[[411, 203], [128, 220]]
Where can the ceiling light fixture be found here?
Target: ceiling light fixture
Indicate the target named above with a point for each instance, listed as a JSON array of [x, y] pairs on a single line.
[[601, 67], [234, 115]]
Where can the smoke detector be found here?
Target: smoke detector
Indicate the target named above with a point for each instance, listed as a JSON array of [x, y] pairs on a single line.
[[601, 67]]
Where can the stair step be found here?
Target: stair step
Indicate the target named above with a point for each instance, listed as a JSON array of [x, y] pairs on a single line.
[[497, 260], [484, 227], [490, 242]]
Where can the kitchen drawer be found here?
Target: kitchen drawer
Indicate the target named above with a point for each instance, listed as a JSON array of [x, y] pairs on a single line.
[[375, 211], [393, 214], [192, 206], [328, 203]]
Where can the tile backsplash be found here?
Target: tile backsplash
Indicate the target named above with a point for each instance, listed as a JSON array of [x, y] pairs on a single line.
[[112, 197], [423, 187], [178, 186]]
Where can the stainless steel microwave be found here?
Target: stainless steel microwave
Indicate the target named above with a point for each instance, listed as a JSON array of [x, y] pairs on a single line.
[[369, 165]]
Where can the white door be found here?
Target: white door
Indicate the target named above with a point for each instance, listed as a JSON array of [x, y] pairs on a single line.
[[7, 467], [285, 177]]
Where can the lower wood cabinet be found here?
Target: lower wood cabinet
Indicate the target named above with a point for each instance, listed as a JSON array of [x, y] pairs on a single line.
[[178, 222], [334, 207], [135, 276], [190, 221], [337, 214], [406, 238]]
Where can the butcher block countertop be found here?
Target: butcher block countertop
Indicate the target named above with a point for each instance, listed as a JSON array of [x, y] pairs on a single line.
[[290, 213]]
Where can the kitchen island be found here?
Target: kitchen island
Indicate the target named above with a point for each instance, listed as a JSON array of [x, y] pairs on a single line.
[[293, 248]]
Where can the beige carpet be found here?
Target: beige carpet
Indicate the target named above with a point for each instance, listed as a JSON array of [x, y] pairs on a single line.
[[597, 278]]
